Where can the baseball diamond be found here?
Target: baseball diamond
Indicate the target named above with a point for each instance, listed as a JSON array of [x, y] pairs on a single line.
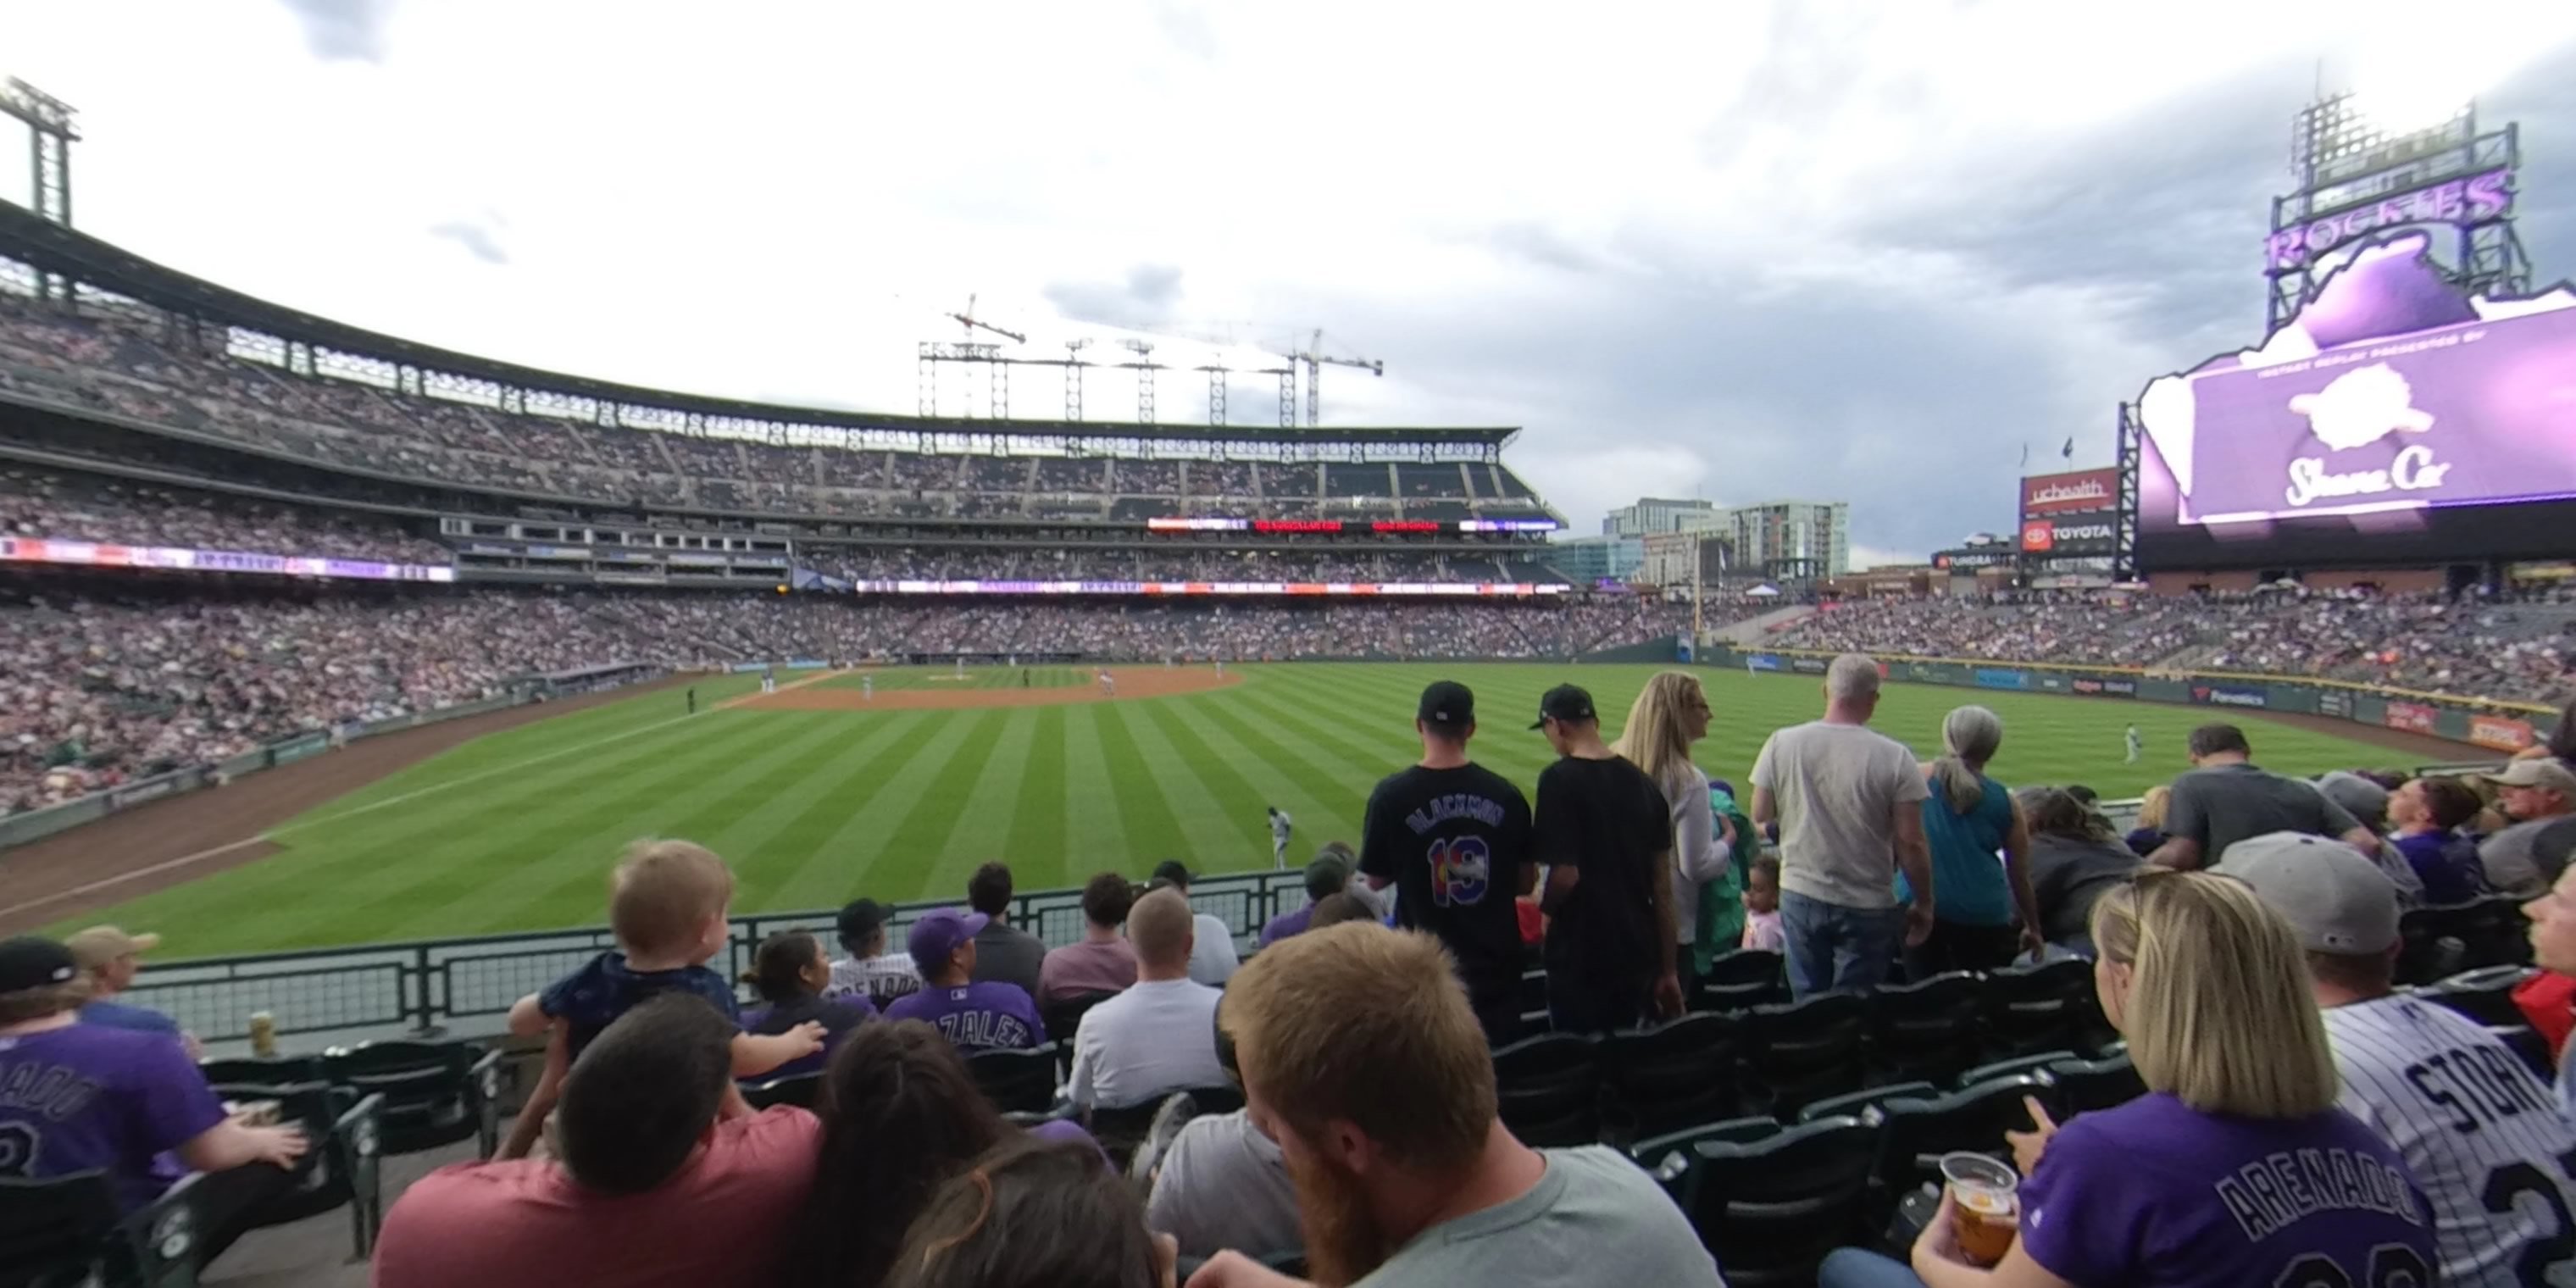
[[901, 800]]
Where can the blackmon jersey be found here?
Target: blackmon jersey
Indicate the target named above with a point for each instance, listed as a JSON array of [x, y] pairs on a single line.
[[2481, 1134]]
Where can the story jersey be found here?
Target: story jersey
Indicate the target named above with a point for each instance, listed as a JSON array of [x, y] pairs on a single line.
[[2480, 1133], [1454, 843]]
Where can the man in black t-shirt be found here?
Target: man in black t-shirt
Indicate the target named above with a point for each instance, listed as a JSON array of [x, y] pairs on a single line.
[[1453, 837], [1605, 834]]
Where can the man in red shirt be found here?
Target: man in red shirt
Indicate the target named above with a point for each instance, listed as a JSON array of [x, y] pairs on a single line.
[[666, 1176]]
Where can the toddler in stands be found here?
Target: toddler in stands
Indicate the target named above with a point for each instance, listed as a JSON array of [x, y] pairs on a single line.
[[1762, 906]]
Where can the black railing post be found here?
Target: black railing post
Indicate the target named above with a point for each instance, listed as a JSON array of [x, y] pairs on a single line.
[[424, 1009]]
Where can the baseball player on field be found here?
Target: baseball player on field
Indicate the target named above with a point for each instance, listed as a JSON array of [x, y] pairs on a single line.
[[868, 687], [2481, 1134], [1279, 829]]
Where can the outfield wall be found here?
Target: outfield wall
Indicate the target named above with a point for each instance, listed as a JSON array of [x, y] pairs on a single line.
[[2498, 726], [33, 825]]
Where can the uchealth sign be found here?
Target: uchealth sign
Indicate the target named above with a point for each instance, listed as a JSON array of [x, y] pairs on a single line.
[[2501, 733], [2062, 537], [2074, 492]]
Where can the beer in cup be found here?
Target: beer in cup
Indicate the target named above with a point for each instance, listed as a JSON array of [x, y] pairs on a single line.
[[1985, 1211]]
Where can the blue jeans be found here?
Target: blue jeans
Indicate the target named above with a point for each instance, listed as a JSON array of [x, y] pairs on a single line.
[[1853, 1268], [1832, 947]]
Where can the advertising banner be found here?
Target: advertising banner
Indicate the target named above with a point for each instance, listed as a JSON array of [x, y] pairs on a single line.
[[2073, 492], [2335, 702], [2501, 733], [95, 554], [2080, 535], [1809, 665], [2230, 695], [298, 748], [2107, 688], [2413, 717], [1762, 662], [1991, 677], [1487, 590]]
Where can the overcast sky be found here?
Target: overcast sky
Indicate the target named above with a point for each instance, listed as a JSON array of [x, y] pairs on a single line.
[[1857, 252]]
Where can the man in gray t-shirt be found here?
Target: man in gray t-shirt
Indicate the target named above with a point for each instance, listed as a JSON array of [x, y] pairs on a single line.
[[1223, 1185], [2539, 794], [1849, 804], [1362, 1058], [2226, 799]]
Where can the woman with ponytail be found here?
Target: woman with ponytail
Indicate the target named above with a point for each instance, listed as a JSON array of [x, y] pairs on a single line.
[[1978, 842], [789, 972], [1670, 714]]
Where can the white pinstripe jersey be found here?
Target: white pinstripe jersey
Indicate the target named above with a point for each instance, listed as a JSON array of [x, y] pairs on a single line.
[[2482, 1135]]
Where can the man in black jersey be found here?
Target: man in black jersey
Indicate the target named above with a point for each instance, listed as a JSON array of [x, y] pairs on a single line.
[[1453, 838], [1605, 835]]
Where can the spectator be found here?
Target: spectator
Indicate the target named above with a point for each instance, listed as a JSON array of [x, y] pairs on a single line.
[[1212, 956], [667, 906], [2469, 1118], [901, 1114], [789, 972], [2553, 949], [1967, 820], [77, 1097], [1605, 834], [2361, 796], [1334, 909], [2150, 831], [666, 1177], [2225, 799], [2073, 862], [2178, 1186], [1670, 714], [1326, 876], [1003, 953], [1762, 906], [1223, 1184], [2429, 813], [2534, 793], [1103, 962], [867, 969], [1849, 803], [1453, 839], [990, 1016], [1361, 1056], [1033, 1214], [1158, 1036], [110, 959]]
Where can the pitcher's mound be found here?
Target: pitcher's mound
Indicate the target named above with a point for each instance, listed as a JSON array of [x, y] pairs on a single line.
[[1132, 682]]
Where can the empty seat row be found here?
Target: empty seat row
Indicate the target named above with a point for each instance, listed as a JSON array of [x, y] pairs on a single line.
[[435, 1093]]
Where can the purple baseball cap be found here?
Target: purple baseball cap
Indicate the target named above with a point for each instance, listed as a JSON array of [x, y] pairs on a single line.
[[937, 934]]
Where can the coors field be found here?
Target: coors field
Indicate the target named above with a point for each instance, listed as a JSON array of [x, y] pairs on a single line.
[[1151, 644]]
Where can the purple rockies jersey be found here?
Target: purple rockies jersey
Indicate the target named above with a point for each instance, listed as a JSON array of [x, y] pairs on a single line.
[[84, 1097], [2155, 1192], [991, 1016]]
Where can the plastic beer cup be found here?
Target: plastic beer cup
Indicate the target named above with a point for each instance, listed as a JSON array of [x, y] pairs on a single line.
[[1985, 1210]]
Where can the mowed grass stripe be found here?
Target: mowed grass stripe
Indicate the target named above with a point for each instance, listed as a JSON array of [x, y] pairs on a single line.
[[1139, 786], [773, 840], [1097, 822], [895, 853], [1035, 846], [1321, 792], [989, 806], [1232, 812], [818, 871]]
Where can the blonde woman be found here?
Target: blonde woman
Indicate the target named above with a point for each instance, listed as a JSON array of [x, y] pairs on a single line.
[[2235, 1167], [2150, 831], [1670, 714]]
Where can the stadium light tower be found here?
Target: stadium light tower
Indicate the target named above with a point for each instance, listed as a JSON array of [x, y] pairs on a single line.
[[51, 131]]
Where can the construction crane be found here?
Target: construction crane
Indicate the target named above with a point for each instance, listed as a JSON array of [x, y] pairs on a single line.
[[1314, 357], [973, 324]]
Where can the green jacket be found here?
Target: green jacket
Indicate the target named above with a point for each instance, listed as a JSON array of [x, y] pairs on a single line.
[[1721, 902]]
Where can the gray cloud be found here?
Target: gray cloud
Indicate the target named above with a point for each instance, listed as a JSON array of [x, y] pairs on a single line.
[[343, 29], [479, 239], [1150, 296]]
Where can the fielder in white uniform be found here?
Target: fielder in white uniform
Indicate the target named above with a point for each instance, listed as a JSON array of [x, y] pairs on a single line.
[[1279, 826], [868, 688], [2137, 745], [2480, 1132]]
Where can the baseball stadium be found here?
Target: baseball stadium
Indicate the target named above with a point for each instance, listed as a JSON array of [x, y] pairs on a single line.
[[345, 669]]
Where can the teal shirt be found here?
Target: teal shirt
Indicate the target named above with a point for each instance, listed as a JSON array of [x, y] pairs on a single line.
[[1968, 884]]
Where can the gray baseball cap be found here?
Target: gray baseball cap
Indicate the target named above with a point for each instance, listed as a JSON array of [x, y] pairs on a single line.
[[2337, 900]]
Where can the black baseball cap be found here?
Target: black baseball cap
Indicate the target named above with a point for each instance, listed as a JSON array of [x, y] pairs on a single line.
[[1564, 702], [33, 961], [1447, 703], [1172, 870], [860, 919]]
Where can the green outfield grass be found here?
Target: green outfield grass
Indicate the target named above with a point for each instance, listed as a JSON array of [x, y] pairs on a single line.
[[515, 831]]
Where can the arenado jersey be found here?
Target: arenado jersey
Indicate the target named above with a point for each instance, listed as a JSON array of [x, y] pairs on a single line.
[[2481, 1134]]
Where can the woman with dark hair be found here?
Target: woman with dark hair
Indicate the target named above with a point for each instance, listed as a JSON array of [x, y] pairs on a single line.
[[2074, 858], [900, 1115], [790, 972], [1033, 1214]]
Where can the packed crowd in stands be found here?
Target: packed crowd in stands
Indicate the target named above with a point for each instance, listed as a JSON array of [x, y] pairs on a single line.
[[120, 362], [37, 503], [2523, 649], [102, 691], [1339, 1107], [1168, 563]]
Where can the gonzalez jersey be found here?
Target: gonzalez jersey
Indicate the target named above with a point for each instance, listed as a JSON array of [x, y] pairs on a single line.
[[2481, 1134]]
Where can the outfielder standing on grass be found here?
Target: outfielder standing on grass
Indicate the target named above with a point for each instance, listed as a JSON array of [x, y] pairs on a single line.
[[1279, 829]]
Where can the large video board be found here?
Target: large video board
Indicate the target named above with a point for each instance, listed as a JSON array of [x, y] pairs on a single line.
[[2395, 418]]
